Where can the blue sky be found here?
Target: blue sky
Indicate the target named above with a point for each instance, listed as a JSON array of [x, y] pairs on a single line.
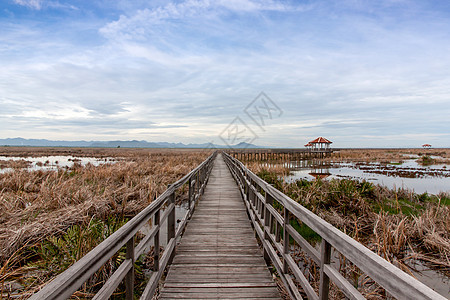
[[361, 73]]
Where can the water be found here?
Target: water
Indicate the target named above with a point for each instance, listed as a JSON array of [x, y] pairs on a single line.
[[408, 174], [54, 162], [433, 279], [180, 214]]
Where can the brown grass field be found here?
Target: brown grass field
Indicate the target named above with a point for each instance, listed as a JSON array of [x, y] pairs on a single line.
[[40, 204], [44, 212], [389, 155], [399, 225]]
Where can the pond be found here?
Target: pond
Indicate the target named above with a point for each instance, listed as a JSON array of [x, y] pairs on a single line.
[[407, 174], [180, 214], [50, 162], [433, 279]]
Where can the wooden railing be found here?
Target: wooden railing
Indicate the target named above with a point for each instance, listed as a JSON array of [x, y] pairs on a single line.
[[160, 210], [268, 223], [266, 154]]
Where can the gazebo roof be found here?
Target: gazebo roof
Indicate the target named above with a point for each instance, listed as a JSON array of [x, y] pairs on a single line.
[[320, 140], [307, 145], [426, 145]]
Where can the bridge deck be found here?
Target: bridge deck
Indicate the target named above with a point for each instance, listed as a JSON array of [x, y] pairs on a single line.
[[218, 257]]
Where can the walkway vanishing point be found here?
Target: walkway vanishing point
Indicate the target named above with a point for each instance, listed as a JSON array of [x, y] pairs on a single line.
[[218, 256]]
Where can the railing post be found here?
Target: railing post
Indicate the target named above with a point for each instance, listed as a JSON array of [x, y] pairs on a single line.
[[197, 183], [156, 242], [325, 255], [129, 278], [247, 188], [286, 237], [190, 194], [171, 224], [261, 205], [267, 223]]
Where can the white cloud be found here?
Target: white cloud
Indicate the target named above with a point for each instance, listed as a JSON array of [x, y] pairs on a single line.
[[139, 25], [40, 4], [195, 65], [34, 4]]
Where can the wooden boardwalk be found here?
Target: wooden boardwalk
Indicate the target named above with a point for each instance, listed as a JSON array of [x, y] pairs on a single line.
[[218, 257]]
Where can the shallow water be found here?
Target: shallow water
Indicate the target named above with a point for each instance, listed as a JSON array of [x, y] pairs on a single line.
[[433, 279], [408, 174], [180, 214], [54, 162]]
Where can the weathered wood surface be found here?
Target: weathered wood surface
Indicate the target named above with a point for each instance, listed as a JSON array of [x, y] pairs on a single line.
[[218, 257]]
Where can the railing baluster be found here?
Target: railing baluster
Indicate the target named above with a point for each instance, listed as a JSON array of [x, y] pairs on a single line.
[[156, 242], [261, 204], [129, 278], [277, 232], [267, 224], [190, 193], [286, 217], [197, 183], [325, 255], [171, 224]]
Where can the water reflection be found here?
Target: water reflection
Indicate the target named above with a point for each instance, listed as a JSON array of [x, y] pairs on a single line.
[[52, 162], [407, 174], [180, 214]]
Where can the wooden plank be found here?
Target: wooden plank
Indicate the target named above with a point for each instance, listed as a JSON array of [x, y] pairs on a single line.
[[178, 268], [218, 284], [223, 296], [222, 260], [190, 277], [247, 291]]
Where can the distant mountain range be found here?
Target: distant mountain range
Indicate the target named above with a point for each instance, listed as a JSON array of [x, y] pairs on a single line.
[[114, 144]]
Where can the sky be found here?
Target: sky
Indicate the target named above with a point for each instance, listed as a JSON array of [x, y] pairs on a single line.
[[361, 73]]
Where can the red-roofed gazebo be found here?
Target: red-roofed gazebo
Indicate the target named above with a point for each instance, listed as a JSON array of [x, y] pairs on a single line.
[[426, 146], [320, 143]]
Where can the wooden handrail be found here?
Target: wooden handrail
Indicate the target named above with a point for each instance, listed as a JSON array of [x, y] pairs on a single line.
[[66, 283], [267, 223]]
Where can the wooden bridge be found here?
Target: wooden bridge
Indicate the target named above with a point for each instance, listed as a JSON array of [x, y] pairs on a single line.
[[214, 254], [218, 256], [279, 154]]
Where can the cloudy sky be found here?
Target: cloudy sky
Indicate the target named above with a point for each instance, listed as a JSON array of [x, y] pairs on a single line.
[[362, 73]]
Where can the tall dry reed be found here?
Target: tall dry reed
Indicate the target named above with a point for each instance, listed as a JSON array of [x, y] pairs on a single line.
[[37, 204]]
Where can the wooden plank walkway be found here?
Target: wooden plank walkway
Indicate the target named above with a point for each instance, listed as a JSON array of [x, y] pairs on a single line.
[[218, 256]]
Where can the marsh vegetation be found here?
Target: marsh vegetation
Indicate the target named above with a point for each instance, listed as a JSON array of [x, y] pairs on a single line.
[[51, 218], [410, 230]]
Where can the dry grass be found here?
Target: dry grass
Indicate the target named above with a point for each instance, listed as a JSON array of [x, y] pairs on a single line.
[[39, 204], [398, 225], [14, 164], [257, 167], [388, 155]]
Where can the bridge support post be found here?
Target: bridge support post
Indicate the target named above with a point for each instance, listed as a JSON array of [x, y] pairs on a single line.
[[129, 278], [197, 183], [267, 224], [190, 197], [156, 242], [171, 224], [247, 187], [324, 285], [286, 238]]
